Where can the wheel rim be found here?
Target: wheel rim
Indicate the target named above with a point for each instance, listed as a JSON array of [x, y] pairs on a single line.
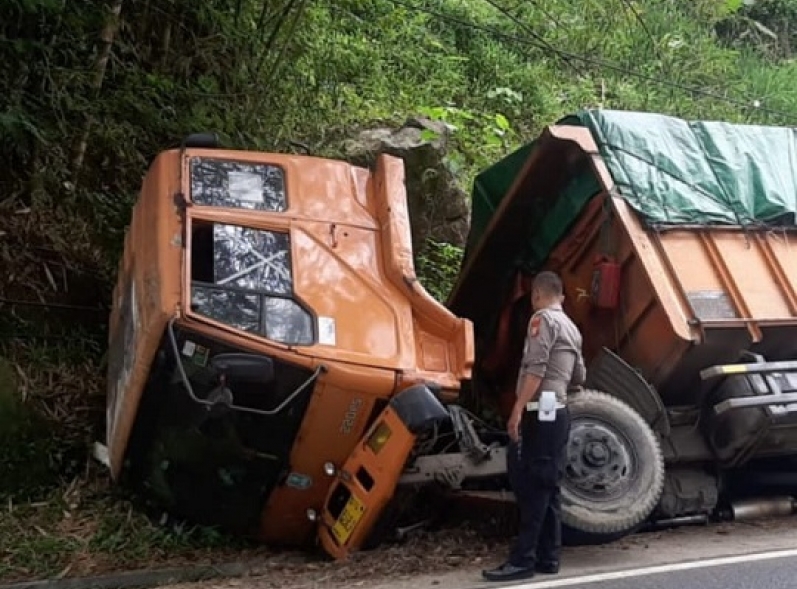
[[601, 461]]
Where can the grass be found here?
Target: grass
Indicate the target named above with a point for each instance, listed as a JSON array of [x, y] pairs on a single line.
[[59, 513], [89, 528]]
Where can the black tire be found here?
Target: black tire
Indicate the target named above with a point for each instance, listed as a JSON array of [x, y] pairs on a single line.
[[614, 470]]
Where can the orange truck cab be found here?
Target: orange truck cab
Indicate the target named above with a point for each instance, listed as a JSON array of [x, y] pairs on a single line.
[[272, 355]]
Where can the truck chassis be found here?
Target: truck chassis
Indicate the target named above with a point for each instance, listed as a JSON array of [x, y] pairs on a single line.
[[699, 479]]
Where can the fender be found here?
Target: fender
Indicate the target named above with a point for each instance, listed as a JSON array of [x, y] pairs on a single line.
[[614, 376]]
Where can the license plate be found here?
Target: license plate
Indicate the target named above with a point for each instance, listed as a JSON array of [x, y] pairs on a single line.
[[348, 519]]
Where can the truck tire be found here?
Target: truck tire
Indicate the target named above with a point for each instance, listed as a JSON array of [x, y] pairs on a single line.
[[613, 471]]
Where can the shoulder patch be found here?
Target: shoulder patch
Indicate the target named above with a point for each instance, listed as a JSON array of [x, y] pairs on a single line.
[[535, 326]]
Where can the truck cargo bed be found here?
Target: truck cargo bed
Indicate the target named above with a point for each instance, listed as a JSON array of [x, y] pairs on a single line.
[[690, 298], [695, 289]]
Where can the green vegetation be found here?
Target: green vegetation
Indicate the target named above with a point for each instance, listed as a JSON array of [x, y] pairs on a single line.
[[22, 445], [84, 529], [90, 91]]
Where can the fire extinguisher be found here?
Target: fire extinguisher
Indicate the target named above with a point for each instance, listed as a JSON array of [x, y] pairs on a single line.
[[606, 283]]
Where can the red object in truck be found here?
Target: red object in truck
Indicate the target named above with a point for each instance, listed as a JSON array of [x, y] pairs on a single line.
[[606, 283]]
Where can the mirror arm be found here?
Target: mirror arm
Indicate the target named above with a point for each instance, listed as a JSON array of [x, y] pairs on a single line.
[[267, 412]]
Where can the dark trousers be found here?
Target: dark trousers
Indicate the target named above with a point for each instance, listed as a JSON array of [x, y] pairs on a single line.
[[535, 471]]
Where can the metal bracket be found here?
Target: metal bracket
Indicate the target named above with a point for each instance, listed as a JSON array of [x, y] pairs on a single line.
[[451, 470], [755, 368], [475, 460], [759, 401], [466, 434], [228, 402]]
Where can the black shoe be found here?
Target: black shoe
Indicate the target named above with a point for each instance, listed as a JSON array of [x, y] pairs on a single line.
[[547, 567], [508, 572]]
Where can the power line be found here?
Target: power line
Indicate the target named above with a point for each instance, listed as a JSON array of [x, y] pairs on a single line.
[[630, 7], [567, 55], [540, 40]]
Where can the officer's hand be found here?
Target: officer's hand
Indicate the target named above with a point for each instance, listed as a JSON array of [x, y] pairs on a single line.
[[513, 426]]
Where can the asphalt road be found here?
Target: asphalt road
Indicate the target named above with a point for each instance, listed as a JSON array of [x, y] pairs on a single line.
[[759, 571], [760, 555], [780, 573], [754, 555]]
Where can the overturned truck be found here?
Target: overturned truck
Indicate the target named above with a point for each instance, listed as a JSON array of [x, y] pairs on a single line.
[[277, 369]]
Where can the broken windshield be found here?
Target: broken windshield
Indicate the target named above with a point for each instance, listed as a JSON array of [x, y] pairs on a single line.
[[224, 183], [242, 277], [251, 259]]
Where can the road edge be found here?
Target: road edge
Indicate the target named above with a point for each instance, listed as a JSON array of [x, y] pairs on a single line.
[[144, 578]]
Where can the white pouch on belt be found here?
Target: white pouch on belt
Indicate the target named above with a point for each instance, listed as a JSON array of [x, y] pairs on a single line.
[[547, 407]]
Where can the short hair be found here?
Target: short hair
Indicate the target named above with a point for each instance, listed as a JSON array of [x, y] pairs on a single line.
[[549, 283]]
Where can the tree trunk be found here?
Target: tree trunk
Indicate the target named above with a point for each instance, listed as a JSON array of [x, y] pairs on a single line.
[[107, 37]]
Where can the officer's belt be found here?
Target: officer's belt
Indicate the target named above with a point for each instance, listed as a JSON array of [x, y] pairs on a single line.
[[535, 406]]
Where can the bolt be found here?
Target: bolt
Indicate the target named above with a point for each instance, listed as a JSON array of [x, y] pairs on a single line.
[[599, 451]]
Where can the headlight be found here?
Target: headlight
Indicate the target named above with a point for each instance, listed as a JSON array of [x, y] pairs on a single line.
[[379, 437], [329, 469], [312, 515]]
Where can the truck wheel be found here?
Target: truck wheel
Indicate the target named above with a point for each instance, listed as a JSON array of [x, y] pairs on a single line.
[[614, 470]]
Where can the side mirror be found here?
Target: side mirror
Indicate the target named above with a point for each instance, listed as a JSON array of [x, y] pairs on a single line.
[[251, 368]]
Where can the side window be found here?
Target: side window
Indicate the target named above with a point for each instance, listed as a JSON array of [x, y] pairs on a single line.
[[240, 185], [242, 277]]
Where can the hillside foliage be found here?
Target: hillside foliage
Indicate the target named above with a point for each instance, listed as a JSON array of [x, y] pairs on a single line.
[[91, 91]]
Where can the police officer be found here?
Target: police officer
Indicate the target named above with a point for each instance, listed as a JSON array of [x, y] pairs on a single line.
[[552, 362]]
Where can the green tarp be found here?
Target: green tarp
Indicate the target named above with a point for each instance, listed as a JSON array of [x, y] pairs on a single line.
[[491, 186], [674, 171], [671, 171]]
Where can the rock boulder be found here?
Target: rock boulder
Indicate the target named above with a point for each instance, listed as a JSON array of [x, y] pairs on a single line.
[[439, 208]]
